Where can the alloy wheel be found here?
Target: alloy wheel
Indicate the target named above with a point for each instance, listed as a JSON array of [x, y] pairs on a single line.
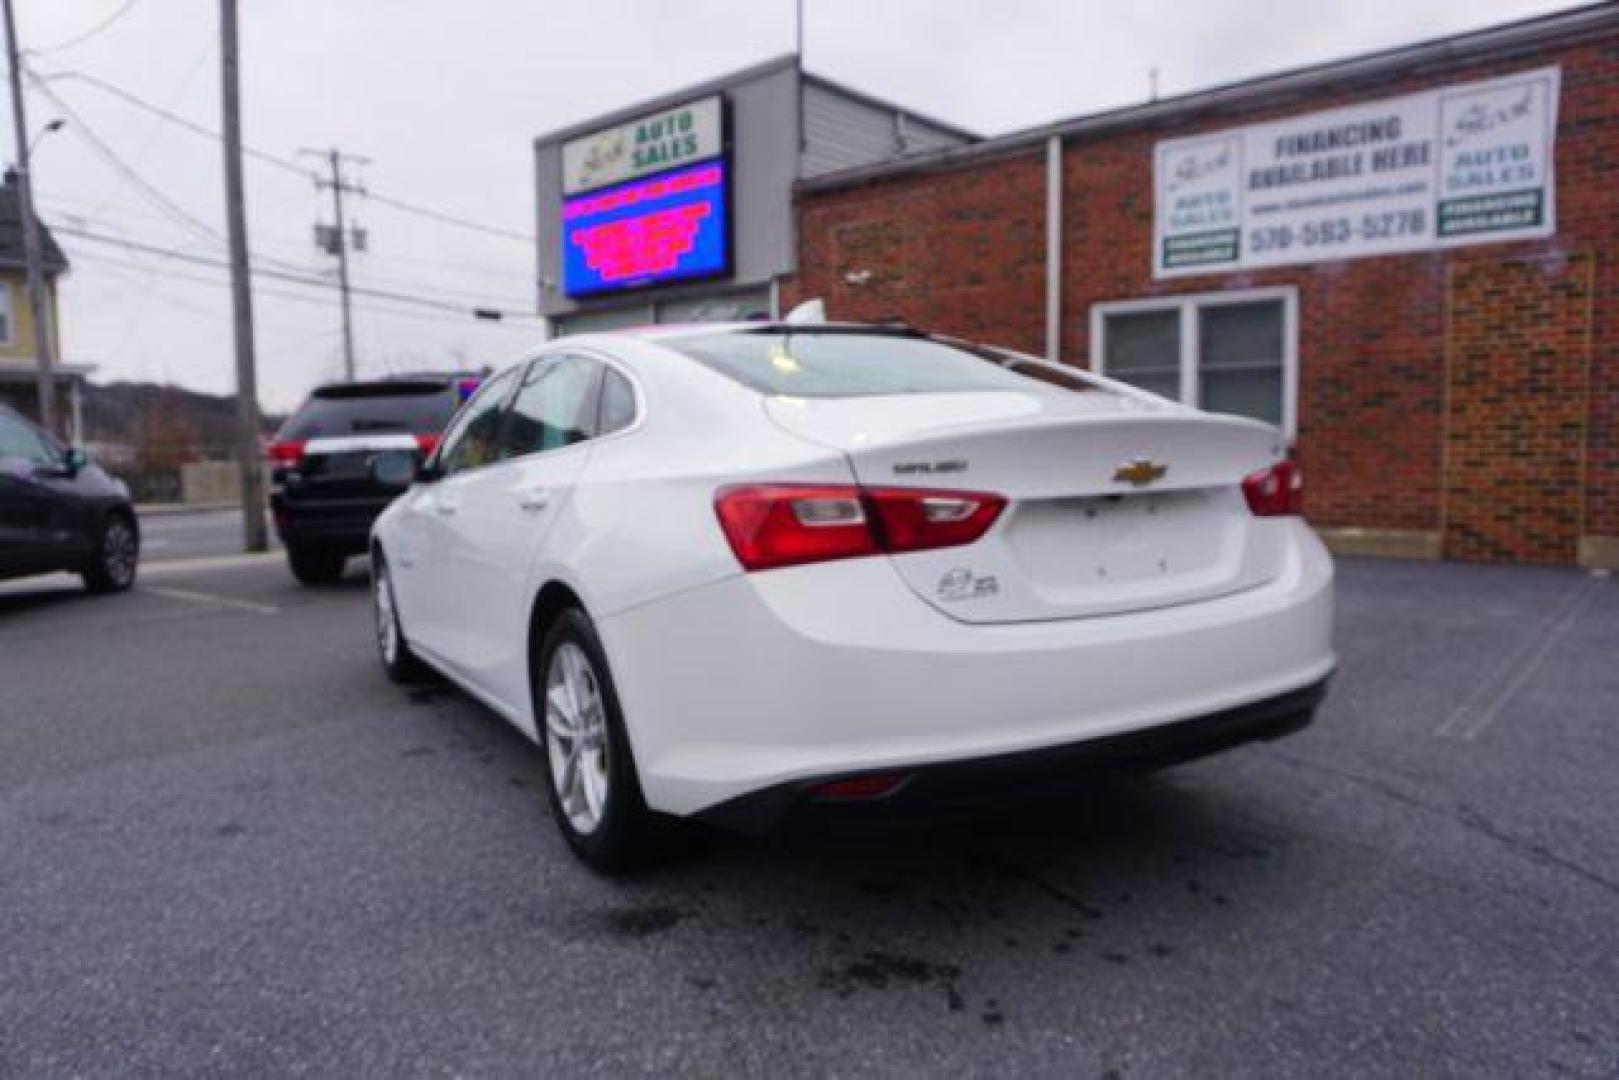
[[119, 553], [576, 737]]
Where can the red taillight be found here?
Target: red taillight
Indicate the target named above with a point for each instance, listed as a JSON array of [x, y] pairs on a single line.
[[787, 524], [427, 443], [1275, 492], [913, 520], [873, 786], [772, 525], [287, 454]]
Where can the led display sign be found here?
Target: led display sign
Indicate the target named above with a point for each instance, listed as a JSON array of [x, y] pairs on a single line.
[[674, 226]]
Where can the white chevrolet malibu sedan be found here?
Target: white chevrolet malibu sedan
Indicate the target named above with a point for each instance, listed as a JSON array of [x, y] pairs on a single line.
[[744, 572]]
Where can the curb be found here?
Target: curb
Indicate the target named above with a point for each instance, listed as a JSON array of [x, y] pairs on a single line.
[[171, 509]]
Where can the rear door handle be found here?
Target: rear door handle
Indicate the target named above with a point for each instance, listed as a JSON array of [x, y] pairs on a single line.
[[534, 500], [445, 508]]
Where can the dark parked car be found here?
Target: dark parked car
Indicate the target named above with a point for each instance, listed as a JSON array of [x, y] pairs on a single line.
[[344, 455], [58, 511]]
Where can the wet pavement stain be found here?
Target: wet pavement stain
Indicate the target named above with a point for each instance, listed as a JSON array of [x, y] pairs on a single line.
[[640, 922], [879, 970]]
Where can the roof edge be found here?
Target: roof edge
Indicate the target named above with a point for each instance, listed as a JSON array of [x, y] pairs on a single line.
[[825, 83], [1580, 23], [628, 112]]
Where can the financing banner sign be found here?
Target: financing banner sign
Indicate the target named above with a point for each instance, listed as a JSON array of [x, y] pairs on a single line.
[[1465, 164]]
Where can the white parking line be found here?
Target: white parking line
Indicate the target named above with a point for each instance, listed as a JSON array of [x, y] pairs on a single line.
[[1493, 694], [211, 598], [210, 562]]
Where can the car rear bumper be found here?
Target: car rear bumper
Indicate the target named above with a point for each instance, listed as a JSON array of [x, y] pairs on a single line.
[[965, 786], [826, 671], [340, 524]]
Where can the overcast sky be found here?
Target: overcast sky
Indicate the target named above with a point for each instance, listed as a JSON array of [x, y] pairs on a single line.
[[445, 100]]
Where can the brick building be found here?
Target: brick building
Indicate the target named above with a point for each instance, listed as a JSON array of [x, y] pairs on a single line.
[[1406, 260]]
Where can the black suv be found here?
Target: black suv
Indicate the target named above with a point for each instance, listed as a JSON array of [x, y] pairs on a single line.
[[342, 457], [60, 512]]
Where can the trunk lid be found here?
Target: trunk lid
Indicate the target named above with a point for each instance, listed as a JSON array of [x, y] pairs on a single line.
[[1092, 526]]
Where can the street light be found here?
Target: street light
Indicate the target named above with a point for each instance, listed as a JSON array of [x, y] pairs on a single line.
[[51, 127]]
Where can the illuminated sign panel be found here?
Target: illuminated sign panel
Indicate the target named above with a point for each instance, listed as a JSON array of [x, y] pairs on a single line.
[[674, 226]]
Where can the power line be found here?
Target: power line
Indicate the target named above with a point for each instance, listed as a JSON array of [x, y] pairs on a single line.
[[63, 210], [283, 294], [169, 207], [285, 164], [70, 75], [157, 127], [448, 219], [107, 154], [88, 34], [281, 275]]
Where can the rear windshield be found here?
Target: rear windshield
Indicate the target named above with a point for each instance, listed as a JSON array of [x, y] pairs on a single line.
[[833, 363], [416, 409]]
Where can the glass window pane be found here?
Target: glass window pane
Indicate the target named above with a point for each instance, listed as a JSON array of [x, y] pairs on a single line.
[[846, 363], [596, 322], [1239, 333], [1142, 341], [1163, 383], [618, 403], [1256, 394], [1144, 349], [471, 440], [417, 408], [554, 407], [23, 443], [736, 307]]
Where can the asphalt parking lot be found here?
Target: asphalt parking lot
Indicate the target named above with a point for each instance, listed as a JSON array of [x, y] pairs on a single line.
[[227, 845], [192, 534]]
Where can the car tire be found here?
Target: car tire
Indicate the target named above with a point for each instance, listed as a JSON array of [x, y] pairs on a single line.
[[601, 812], [398, 660], [315, 566], [113, 566]]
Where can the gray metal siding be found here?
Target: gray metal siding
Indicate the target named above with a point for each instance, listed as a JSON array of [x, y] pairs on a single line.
[[764, 159], [841, 132]]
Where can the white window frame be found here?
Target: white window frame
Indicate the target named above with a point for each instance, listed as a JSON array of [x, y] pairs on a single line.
[[10, 309], [1188, 305]]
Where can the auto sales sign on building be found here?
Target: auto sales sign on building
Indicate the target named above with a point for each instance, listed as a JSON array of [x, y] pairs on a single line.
[[650, 144], [1466, 164]]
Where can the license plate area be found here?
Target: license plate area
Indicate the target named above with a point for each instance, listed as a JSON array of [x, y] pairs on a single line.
[[346, 465], [1100, 541]]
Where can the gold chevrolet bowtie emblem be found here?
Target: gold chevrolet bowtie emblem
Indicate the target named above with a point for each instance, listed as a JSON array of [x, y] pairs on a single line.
[[1140, 472]]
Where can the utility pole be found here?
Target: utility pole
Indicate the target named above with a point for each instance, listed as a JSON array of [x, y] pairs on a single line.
[[798, 54], [33, 255], [338, 242], [249, 468]]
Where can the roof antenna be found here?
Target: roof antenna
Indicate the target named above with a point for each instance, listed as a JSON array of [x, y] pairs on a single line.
[[810, 312], [1152, 84]]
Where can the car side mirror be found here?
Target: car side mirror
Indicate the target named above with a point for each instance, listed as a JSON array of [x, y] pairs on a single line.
[[74, 461]]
